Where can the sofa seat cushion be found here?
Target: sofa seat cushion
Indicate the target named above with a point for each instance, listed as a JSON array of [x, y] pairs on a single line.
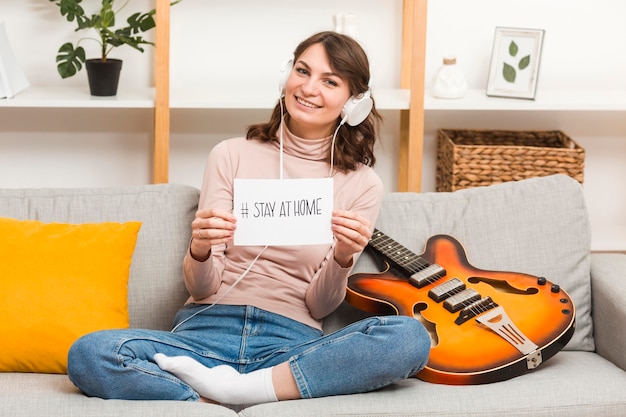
[[537, 226], [572, 384], [28, 395]]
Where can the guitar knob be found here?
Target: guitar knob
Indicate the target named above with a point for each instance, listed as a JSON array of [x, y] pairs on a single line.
[[542, 280], [555, 288]]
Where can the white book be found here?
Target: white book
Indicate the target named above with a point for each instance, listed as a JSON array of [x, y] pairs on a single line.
[[12, 78]]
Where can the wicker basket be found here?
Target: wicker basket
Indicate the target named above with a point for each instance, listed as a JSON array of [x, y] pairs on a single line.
[[471, 158]]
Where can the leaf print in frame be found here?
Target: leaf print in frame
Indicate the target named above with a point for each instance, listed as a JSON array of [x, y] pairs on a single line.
[[514, 66]]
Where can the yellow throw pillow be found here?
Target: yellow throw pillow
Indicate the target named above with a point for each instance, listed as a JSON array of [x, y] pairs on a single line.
[[58, 282]]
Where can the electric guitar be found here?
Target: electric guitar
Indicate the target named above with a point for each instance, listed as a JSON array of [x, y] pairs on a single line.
[[485, 326]]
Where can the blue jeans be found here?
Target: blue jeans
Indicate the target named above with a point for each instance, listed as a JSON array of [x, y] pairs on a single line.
[[363, 356]]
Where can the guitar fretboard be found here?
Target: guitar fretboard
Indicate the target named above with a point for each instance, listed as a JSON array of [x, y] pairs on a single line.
[[405, 259]]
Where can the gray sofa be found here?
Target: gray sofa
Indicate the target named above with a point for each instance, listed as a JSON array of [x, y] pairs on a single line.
[[538, 226]]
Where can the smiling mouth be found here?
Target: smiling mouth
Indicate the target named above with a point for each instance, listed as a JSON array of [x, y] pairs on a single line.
[[307, 103]]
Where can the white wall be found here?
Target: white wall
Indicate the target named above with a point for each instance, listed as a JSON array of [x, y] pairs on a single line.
[[242, 43]]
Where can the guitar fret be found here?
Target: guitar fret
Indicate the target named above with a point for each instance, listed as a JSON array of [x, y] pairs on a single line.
[[400, 255]]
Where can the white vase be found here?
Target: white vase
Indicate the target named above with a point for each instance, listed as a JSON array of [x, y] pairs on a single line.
[[450, 81]]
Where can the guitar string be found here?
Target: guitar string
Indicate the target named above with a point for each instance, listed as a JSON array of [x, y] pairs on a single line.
[[401, 253]]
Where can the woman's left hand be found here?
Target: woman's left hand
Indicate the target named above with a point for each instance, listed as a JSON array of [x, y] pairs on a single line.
[[352, 232]]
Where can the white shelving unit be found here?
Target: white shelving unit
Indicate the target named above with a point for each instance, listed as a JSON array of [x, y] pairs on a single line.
[[161, 99], [390, 99], [50, 97], [570, 100]]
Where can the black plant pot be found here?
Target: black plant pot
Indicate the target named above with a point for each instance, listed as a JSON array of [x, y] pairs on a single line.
[[103, 76]]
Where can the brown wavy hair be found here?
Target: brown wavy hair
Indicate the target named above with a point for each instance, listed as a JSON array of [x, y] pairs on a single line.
[[354, 144]]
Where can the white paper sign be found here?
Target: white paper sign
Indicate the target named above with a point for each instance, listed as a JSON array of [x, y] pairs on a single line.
[[283, 212]]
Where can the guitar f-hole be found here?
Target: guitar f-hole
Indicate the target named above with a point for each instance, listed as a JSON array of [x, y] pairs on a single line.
[[428, 325], [502, 286]]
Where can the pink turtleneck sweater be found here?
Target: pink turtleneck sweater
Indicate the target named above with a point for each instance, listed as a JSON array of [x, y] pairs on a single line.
[[304, 283]]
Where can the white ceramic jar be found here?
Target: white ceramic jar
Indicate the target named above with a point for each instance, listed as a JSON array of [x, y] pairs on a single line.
[[449, 81]]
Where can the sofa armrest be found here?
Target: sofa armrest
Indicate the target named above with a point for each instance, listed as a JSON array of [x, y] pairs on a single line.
[[608, 289]]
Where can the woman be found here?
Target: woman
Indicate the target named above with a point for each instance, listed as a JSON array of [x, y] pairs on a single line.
[[251, 329]]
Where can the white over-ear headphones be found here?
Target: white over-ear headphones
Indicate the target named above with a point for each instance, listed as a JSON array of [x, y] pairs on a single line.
[[354, 112], [284, 75]]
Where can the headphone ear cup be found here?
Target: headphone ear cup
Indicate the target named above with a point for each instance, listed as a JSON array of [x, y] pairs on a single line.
[[356, 109], [284, 74]]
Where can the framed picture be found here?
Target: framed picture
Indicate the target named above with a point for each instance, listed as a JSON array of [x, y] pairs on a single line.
[[515, 62]]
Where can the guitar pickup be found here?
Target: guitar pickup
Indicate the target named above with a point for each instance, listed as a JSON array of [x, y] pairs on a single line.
[[447, 289], [462, 299], [427, 275]]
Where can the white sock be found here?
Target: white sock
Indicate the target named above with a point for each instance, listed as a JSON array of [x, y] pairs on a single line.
[[221, 383]]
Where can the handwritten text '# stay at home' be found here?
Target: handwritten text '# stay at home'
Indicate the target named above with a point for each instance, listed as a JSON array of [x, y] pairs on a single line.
[[286, 208]]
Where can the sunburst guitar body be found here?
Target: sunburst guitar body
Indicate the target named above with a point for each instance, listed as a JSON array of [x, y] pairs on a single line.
[[485, 326]]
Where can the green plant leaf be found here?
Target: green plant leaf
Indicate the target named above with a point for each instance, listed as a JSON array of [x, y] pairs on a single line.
[[107, 15], [70, 60], [524, 62], [141, 22], [84, 22], [513, 48], [71, 9], [508, 72]]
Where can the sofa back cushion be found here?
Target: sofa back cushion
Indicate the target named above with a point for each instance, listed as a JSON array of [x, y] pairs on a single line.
[[537, 226], [156, 288]]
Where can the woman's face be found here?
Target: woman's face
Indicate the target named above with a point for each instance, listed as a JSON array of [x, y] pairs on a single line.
[[314, 95]]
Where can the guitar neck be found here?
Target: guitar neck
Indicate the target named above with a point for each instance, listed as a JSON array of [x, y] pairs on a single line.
[[407, 261]]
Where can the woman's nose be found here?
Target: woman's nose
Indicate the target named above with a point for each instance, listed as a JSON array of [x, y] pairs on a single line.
[[310, 87]]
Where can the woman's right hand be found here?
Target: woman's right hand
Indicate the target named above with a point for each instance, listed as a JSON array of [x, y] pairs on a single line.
[[211, 226]]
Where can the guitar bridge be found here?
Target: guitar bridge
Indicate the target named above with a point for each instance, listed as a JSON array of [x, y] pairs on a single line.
[[474, 309]]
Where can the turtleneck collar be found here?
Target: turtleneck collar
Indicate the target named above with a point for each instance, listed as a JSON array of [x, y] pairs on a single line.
[[312, 149]]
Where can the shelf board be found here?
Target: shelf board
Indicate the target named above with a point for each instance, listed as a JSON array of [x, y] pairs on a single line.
[[386, 99], [74, 97], [571, 100]]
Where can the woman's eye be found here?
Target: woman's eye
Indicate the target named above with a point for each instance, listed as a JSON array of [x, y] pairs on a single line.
[[302, 71], [332, 82]]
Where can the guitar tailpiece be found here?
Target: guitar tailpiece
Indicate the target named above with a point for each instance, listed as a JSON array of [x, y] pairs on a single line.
[[498, 321]]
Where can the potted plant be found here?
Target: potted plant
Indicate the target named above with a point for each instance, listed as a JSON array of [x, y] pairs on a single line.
[[103, 72]]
